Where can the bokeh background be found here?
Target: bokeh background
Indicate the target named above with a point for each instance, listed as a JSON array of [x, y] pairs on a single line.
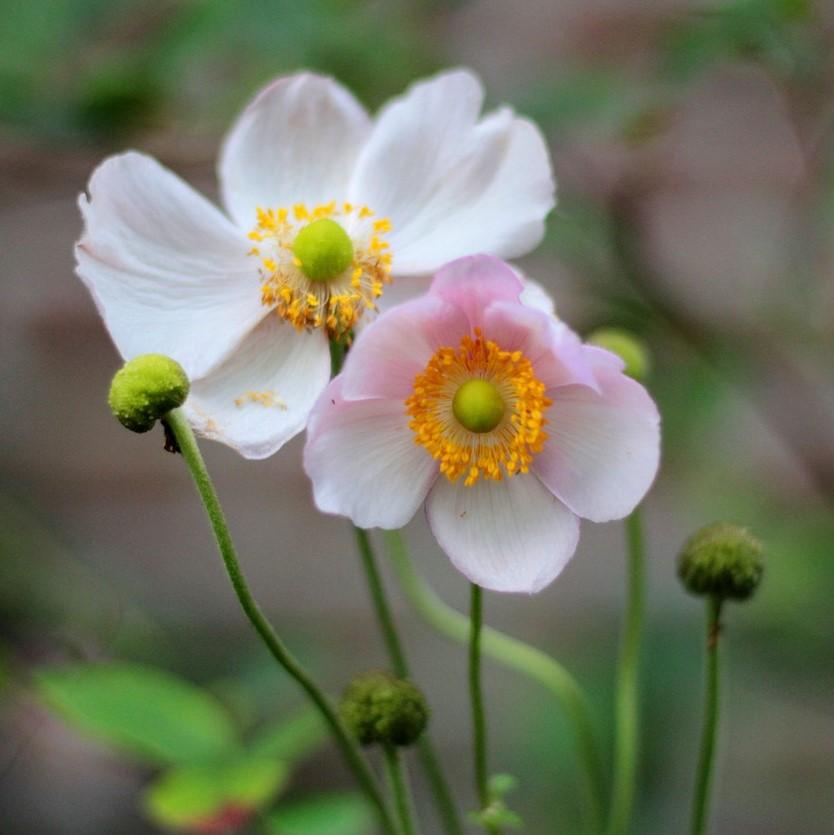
[[692, 143]]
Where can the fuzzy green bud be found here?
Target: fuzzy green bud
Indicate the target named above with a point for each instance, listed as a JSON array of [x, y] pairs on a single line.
[[145, 389], [323, 249], [631, 350], [723, 561], [379, 708]]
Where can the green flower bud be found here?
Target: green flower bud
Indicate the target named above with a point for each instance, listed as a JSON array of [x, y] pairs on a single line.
[[631, 350], [147, 388], [723, 561], [380, 708]]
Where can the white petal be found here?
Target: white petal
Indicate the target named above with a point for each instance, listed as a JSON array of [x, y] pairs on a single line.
[[509, 535], [453, 185], [603, 448], [262, 395], [363, 462], [295, 143], [391, 351], [167, 270]]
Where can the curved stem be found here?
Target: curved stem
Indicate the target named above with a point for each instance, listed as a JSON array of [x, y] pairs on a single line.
[[703, 783], [428, 757], [628, 708], [398, 781], [383, 611], [516, 655], [178, 425]]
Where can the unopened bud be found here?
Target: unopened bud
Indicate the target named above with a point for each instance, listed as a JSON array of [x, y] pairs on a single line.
[[629, 348], [145, 389], [723, 561], [379, 708]]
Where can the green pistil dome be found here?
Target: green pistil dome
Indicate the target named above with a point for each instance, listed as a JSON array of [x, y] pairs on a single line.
[[323, 250], [478, 406]]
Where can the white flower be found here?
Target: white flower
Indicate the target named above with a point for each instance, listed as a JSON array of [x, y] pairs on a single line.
[[325, 207]]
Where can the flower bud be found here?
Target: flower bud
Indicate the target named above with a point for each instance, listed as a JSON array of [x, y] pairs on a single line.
[[147, 388], [629, 348], [380, 708], [723, 561]]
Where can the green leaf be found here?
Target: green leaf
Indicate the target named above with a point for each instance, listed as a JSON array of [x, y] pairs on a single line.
[[501, 784], [326, 814], [193, 794], [145, 712], [291, 739]]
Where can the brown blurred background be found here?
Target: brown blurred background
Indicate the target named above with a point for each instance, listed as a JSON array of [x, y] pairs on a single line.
[[693, 149]]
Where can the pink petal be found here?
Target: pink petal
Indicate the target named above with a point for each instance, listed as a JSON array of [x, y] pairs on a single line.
[[392, 350], [509, 535], [363, 462], [557, 354], [603, 448], [474, 282]]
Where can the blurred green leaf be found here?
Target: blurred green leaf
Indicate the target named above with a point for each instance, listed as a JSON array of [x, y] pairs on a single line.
[[326, 814], [501, 784], [142, 711], [761, 29], [118, 99], [197, 794], [291, 739], [586, 96]]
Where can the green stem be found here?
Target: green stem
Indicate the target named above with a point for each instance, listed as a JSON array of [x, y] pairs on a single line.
[[516, 655], [627, 704], [430, 762], [476, 622], [179, 426], [398, 781], [703, 784]]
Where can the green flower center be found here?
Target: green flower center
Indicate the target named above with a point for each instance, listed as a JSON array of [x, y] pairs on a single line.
[[478, 406], [323, 250]]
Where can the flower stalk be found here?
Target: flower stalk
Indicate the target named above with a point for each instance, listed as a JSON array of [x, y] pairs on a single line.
[[476, 613], [398, 782], [626, 751], [515, 655], [709, 734], [428, 757], [178, 425]]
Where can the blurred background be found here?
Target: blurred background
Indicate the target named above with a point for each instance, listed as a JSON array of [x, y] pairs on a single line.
[[692, 144]]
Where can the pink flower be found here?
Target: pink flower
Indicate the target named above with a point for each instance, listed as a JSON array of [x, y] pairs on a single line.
[[492, 413]]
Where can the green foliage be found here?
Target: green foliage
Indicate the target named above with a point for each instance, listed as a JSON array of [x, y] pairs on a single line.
[[291, 739], [586, 97], [70, 69], [147, 713], [325, 814], [766, 30], [192, 794]]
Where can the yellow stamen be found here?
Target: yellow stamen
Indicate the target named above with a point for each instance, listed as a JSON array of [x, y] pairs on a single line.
[[515, 435], [338, 302]]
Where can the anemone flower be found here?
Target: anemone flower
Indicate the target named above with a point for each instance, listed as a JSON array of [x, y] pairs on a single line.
[[324, 207], [492, 413]]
